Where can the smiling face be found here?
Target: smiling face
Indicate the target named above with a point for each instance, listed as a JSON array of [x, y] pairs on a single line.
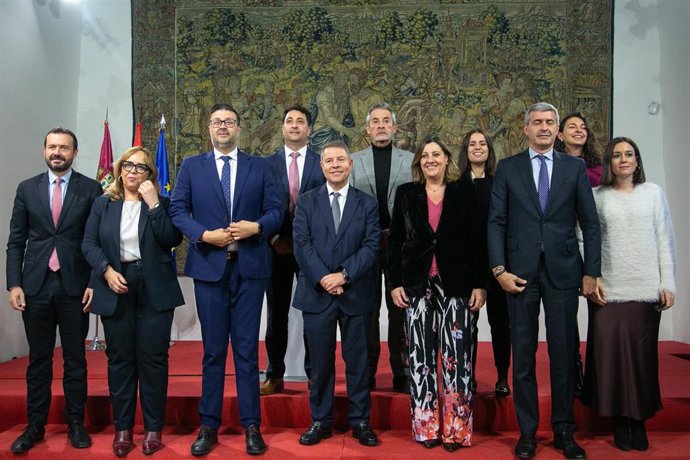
[[296, 129], [623, 162], [433, 162], [131, 180], [336, 165], [59, 152], [541, 130], [574, 134], [477, 150]]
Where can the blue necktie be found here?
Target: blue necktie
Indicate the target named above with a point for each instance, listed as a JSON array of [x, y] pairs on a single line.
[[225, 185], [543, 187]]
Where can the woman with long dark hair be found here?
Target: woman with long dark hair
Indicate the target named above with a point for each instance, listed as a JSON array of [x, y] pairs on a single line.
[[477, 166], [637, 283], [576, 138]]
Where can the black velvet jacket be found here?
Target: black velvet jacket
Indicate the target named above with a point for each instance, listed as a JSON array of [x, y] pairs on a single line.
[[459, 244]]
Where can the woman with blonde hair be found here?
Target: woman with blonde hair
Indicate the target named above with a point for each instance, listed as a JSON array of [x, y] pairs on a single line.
[[127, 242]]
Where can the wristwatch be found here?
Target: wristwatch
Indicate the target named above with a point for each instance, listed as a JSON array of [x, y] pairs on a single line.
[[498, 270], [345, 275]]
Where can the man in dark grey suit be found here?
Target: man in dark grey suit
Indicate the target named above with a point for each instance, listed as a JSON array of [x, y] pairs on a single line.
[[537, 197], [47, 279], [378, 170]]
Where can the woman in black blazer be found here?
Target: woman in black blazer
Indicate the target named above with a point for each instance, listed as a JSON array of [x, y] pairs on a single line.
[[437, 271], [477, 166], [127, 242]]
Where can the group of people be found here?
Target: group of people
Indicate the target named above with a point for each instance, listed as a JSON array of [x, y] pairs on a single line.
[[448, 233]]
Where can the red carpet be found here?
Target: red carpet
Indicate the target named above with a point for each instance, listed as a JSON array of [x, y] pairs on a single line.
[[285, 415]]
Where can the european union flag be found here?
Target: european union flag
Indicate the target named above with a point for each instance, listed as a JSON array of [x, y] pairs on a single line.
[[162, 165]]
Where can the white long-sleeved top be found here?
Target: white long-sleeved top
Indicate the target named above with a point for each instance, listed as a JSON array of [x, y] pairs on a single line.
[[637, 243]]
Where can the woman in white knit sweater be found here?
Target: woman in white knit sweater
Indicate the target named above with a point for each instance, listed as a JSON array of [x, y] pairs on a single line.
[[637, 283]]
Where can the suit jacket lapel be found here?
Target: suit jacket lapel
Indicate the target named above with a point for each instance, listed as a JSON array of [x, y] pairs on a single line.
[[528, 179], [282, 170], [423, 206], [310, 162], [396, 166], [557, 175], [369, 171], [351, 203], [143, 220], [43, 192], [115, 213], [72, 191], [209, 164], [244, 170], [323, 203]]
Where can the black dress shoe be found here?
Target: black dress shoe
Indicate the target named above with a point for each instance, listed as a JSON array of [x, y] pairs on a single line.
[[502, 389], [255, 443], [153, 442], [315, 434], [638, 435], [31, 435], [451, 446], [526, 446], [365, 434], [78, 436], [566, 443], [207, 438], [401, 384], [430, 443], [123, 444], [621, 433]]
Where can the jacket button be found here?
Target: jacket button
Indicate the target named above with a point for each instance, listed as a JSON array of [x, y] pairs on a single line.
[[434, 241]]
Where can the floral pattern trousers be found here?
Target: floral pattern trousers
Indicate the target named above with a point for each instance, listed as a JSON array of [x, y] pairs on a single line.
[[439, 323]]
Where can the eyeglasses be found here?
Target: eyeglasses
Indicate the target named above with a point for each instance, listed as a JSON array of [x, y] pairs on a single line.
[[140, 168], [230, 123]]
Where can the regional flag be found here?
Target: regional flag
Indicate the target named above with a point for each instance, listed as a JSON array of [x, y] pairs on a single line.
[[105, 163]]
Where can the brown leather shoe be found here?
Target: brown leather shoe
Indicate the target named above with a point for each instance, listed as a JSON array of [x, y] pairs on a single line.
[[123, 444], [153, 441], [271, 386]]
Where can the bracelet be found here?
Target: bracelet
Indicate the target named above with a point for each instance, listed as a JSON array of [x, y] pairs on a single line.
[[498, 270]]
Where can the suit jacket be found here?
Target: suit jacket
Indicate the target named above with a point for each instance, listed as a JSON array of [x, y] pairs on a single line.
[[33, 235], [157, 236], [458, 242], [312, 177], [320, 251], [197, 205], [363, 175], [518, 227]]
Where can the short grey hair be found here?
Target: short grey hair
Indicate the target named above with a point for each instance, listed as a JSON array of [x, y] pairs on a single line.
[[335, 145], [384, 106], [541, 107]]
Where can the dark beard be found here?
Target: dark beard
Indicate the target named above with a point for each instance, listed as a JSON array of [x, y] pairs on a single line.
[[60, 168]]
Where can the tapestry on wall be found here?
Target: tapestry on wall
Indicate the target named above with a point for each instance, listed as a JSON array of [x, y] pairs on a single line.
[[445, 66]]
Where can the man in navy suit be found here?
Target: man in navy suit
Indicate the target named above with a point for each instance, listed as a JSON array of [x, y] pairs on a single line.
[[225, 202], [47, 279], [295, 169], [537, 197], [336, 234]]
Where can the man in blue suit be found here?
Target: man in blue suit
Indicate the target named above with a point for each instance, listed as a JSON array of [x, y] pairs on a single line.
[[537, 197], [225, 202], [336, 234], [295, 169]]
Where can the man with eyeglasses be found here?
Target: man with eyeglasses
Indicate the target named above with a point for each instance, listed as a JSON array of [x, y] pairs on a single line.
[[47, 279], [378, 170], [226, 203]]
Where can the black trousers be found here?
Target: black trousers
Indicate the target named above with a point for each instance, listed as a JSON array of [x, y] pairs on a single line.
[[137, 338], [560, 310], [497, 311], [53, 308], [397, 345], [278, 300]]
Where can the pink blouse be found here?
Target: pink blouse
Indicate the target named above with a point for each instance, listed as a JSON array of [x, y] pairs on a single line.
[[435, 210]]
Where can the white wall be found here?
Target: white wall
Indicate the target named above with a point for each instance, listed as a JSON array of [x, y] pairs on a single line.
[[63, 63]]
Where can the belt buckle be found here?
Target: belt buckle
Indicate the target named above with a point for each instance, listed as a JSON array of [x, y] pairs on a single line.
[[231, 255]]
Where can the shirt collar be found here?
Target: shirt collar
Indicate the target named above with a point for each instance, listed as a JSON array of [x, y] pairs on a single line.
[[65, 178], [343, 191], [288, 151], [217, 154], [548, 155]]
